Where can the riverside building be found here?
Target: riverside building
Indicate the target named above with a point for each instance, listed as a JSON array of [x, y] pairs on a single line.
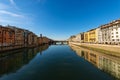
[[111, 32]]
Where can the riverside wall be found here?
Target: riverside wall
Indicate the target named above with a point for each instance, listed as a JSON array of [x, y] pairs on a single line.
[[109, 49]]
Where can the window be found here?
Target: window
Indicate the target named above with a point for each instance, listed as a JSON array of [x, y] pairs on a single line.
[[112, 36], [117, 39], [117, 36], [116, 32], [113, 40], [118, 25], [10, 33]]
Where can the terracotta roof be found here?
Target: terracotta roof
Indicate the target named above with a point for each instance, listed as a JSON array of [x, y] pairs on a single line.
[[110, 24]]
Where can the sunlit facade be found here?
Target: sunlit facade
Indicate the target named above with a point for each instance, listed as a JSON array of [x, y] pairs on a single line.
[[86, 37], [93, 35], [111, 32]]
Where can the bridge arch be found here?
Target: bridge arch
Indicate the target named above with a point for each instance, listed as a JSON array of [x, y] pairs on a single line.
[[60, 42]]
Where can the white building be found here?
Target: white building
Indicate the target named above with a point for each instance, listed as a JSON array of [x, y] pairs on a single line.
[[99, 33], [78, 38], [111, 32], [115, 33]]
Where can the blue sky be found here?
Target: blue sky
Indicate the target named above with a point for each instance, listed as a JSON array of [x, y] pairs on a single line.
[[58, 19]]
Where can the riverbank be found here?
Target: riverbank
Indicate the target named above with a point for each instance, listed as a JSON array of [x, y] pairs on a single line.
[[113, 50], [12, 48], [25, 49]]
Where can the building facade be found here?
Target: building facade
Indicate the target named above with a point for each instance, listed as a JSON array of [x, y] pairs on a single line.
[[78, 38], [26, 32], [99, 35], [19, 36], [7, 36], [86, 37], [82, 37], [111, 32], [35, 40], [30, 39], [93, 35], [72, 38]]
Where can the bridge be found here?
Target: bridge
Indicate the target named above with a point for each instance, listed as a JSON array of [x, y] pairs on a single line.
[[60, 42]]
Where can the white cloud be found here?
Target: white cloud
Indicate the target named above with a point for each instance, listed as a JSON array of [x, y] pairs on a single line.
[[14, 4], [11, 14], [20, 22], [4, 6], [5, 21]]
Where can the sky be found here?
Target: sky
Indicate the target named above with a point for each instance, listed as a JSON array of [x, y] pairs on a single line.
[[58, 19]]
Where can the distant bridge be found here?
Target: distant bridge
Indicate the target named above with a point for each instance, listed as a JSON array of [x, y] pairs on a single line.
[[60, 42]]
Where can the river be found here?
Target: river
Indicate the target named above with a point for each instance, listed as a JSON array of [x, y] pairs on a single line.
[[58, 62]]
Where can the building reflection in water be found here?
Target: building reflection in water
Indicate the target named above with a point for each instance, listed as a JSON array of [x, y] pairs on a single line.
[[106, 63], [42, 48], [10, 62]]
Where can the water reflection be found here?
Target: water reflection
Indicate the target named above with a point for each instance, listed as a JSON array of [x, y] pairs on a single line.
[[106, 63], [10, 62]]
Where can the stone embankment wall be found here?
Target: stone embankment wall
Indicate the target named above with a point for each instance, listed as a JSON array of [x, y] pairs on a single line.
[[109, 49]]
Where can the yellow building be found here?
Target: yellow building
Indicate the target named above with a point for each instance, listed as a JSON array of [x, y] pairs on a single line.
[[86, 37], [93, 36]]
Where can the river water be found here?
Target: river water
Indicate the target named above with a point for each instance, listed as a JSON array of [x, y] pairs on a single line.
[[58, 62]]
